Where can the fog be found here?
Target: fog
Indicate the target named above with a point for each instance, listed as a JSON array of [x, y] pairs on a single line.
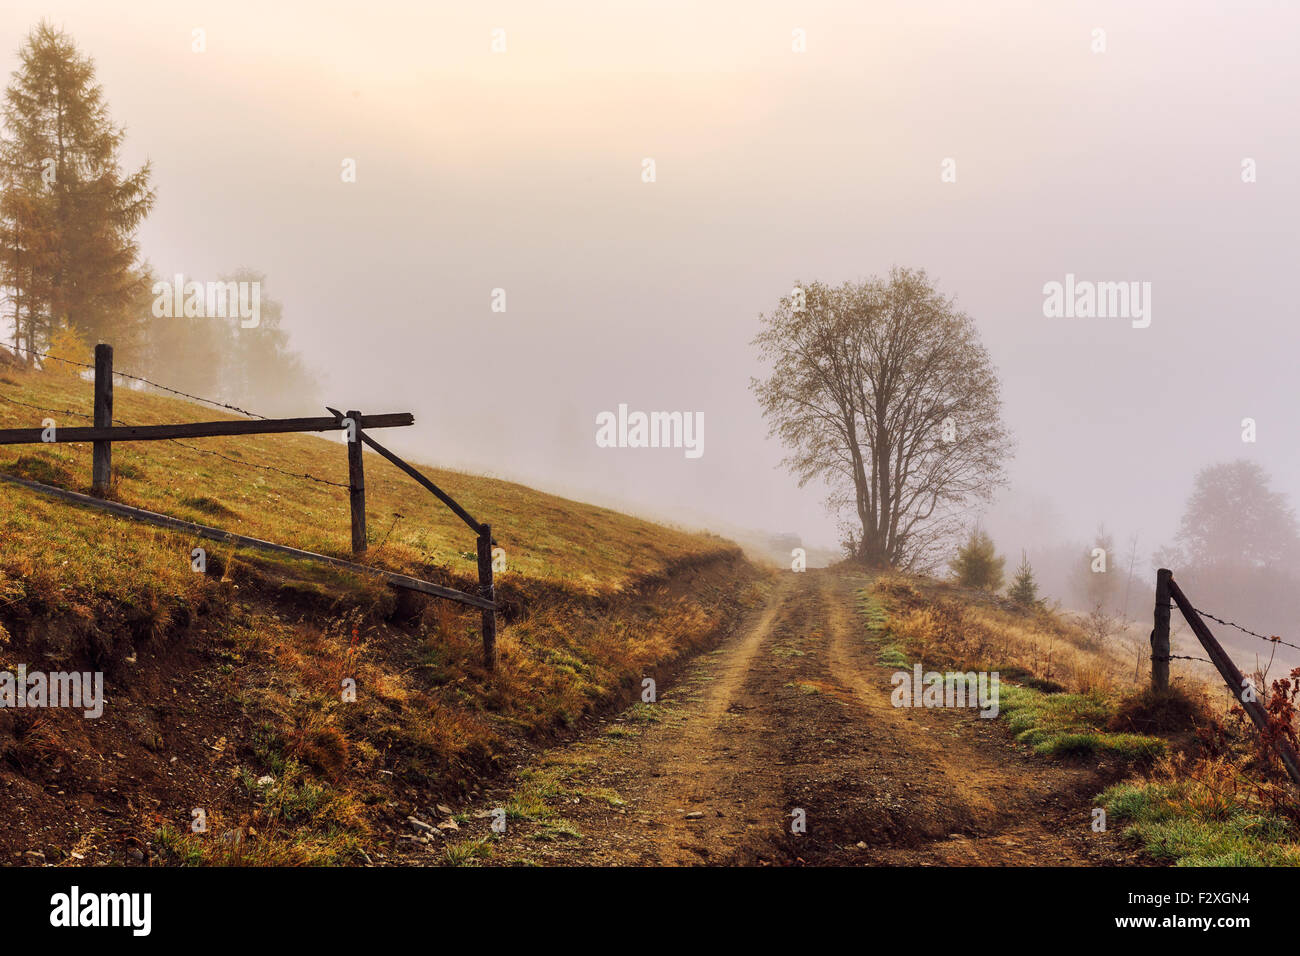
[[522, 171]]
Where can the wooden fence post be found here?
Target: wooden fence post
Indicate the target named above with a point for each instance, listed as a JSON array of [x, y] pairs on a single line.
[[1160, 634], [487, 590], [357, 485], [102, 459], [1233, 677]]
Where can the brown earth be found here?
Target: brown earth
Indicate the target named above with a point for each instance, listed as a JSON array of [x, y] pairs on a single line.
[[789, 713], [182, 726], [94, 792]]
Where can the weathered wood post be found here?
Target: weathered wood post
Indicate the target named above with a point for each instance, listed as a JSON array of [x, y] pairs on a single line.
[[356, 485], [102, 459], [1160, 634], [487, 590], [1233, 677]]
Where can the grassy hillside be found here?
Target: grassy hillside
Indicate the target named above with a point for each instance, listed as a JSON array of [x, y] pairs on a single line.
[[1192, 785], [218, 481], [224, 688]]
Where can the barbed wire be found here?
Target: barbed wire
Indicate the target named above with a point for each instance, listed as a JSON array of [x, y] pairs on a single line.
[[46, 355], [48, 411], [1181, 657], [183, 394], [138, 378], [1271, 639]]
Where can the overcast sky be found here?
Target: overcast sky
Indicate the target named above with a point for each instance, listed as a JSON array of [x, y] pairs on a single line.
[[522, 170]]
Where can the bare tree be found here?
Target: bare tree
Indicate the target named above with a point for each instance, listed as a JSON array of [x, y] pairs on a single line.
[[883, 390]]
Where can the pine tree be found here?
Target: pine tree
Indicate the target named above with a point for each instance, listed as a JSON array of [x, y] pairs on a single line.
[[69, 212], [977, 564], [26, 260], [1024, 589], [1097, 574]]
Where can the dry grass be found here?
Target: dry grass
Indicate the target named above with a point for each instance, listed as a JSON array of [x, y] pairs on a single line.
[[594, 599], [89, 568], [1213, 811], [970, 630], [1207, 797], [550, 540], [1067, 680]]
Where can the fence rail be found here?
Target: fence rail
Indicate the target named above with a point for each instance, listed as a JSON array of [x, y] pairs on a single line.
[[104, 432], [226, 429]]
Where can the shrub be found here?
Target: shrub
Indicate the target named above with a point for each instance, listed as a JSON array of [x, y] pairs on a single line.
[[977, 564]]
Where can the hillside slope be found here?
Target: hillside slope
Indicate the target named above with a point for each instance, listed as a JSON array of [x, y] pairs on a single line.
[[224, 689]]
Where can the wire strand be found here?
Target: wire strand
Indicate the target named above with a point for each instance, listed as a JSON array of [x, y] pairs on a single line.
[[1272, 639], [1180, 657], [137, 378]]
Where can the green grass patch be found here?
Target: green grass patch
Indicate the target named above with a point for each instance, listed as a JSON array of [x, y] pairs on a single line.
[[1175, 822], [602, 795], [1070, 725], [468, 852], [647, 713], [557, 832], [876, 618]]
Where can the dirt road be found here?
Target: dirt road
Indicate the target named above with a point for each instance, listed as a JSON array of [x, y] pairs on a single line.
[[790, 714]]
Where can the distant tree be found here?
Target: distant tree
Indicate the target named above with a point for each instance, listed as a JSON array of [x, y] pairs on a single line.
[[1024, 589], [883, 390], [1130, 566], [262, 368], [1099, 627], [1234, 519], [977, 564], [1237, 551], [1099, 575], [216, 357], [186, 352], [69, 212]]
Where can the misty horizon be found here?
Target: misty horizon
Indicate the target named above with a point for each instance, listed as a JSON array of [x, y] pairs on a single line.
[[736, 436], [522, 171]]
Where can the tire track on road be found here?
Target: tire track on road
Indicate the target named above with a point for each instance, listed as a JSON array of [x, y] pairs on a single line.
[[793, 712]]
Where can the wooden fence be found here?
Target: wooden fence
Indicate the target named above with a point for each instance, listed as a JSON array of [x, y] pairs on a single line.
[[1167, 590], [104, 433]]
